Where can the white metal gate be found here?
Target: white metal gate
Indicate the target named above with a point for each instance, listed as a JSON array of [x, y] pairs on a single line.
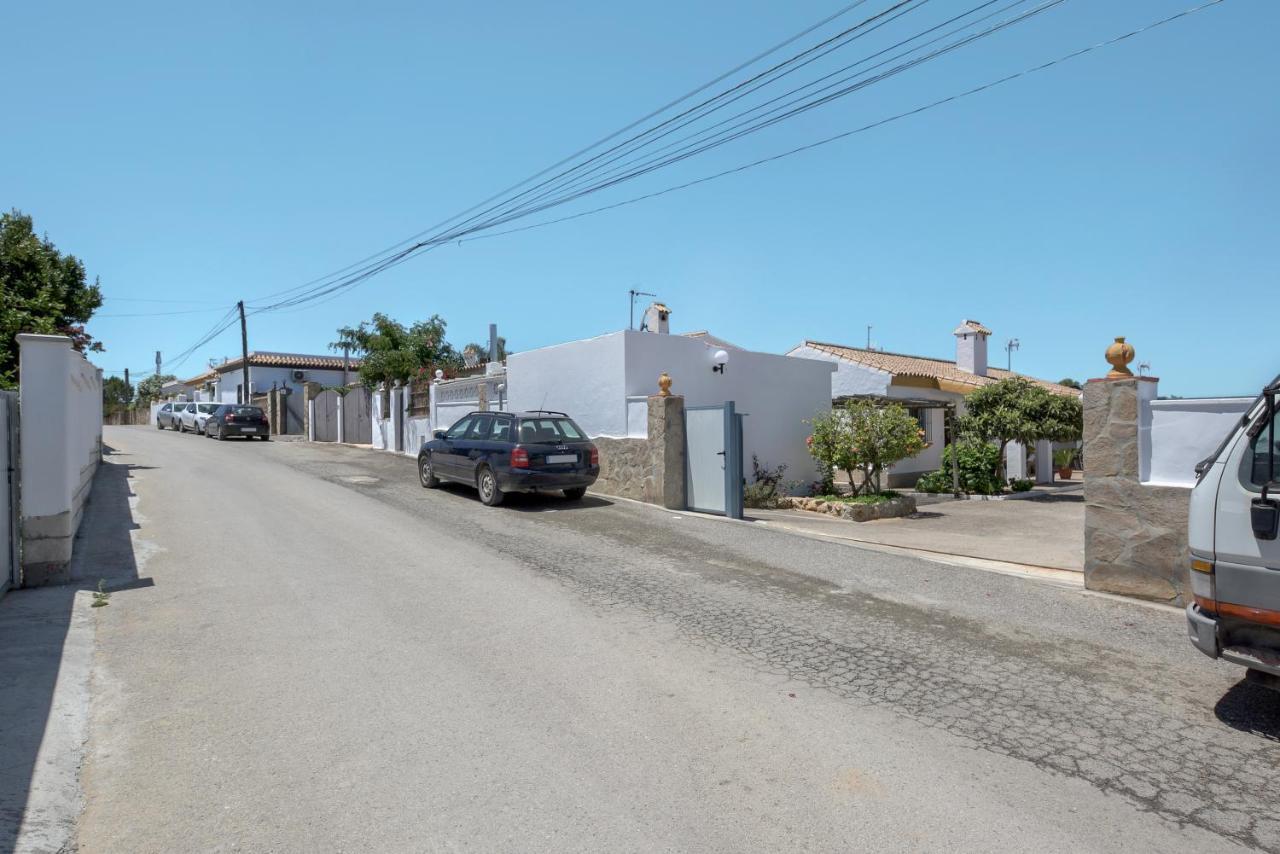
[[713, 459], [10, 575]]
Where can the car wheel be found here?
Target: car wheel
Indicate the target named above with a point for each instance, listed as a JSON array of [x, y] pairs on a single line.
[[487, 484], [159, 426], [266, 438], [222, 437], [426, 473], [576, 493]]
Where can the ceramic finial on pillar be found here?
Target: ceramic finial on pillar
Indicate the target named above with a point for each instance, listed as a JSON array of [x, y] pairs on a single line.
[[1119, 355]]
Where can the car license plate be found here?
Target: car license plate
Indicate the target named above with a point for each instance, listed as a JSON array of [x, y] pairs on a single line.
[[562, 458], [248, 429]]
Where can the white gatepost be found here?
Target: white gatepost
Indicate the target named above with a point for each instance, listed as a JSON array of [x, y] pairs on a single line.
[[1044, 461], [432, 415], [311, 420], [342, 429], [1015, 460], [397, 417]]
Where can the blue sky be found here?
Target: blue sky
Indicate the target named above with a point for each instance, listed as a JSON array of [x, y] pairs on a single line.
[[207, 153]]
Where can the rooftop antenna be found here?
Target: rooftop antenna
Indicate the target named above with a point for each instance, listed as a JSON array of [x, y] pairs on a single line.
[[868, 336], [1009, 346], [1143, 367], [635, 293]]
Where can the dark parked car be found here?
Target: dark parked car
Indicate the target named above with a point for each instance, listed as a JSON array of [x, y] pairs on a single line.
[[233, 419], [501, 452]]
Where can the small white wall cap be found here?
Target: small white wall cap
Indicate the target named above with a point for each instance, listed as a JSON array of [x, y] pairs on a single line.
[[35, 338], [721, 356], [969, 327]]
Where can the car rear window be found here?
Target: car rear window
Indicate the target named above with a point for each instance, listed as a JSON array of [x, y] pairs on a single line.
[[549, 430], [247, 411]]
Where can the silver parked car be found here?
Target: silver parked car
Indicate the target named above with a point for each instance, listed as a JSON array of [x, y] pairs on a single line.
[[193, 416], [167, 416]]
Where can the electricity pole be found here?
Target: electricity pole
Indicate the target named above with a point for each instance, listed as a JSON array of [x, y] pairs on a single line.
[[244, 353], [126, 378], [346, 362], [1011, 345]]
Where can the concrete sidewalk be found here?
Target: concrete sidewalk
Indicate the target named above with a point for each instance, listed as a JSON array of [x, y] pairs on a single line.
[[1048, 532]]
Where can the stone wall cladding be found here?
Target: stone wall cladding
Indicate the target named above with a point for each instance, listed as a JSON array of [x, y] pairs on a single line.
[[1135, 536], [651, 469], [903, 505], [624, 467]]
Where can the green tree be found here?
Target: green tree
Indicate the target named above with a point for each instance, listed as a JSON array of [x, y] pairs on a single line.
[[149, 388], [483, 350], [1069, 383], [41, 290], [116, 394], [1017, 410], [863, 437], [389, 351]]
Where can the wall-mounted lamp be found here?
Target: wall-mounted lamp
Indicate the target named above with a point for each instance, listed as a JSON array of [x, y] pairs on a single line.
[[721, 358], [439, 375]]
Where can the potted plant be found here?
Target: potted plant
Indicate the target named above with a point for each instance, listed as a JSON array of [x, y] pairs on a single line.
[[1062, 459]]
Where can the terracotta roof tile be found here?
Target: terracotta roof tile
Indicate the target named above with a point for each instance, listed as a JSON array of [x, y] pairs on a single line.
[[900, 364], [300, 361]]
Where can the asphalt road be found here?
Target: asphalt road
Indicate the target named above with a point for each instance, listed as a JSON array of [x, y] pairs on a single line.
[[334, 659]]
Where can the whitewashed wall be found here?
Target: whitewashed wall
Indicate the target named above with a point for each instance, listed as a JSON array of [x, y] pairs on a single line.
[[61, 404], [1174, 435], [583, 378], [600, 382]]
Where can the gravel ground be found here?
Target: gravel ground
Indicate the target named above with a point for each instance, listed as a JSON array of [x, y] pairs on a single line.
[[332, 658]]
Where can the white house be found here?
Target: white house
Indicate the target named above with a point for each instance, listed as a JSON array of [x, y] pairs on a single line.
[[604, 384], [279, 370], [925, 386]]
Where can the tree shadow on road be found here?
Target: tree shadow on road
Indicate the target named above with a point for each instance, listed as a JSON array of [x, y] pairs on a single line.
[[36, 652], [1251, 708]]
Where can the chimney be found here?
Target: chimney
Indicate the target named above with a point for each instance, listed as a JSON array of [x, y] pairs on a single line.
[[655, 319], [971, 347]]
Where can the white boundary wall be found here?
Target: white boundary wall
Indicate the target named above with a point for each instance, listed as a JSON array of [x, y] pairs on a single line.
[[601, 381], [1174, 435], [61, 408]]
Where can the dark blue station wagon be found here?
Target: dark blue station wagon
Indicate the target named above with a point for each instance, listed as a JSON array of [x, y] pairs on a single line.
[[501, 452]]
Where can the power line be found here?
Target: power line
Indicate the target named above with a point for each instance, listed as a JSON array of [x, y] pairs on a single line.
[[360, 275], [871, 126], [702, 88]]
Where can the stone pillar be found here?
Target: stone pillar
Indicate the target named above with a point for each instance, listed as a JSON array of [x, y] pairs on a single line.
[[665, 482], [342, 421], [310, 391], [1135, 535], [482, 397]]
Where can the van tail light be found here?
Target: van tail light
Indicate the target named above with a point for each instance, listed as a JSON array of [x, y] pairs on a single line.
[[595, 456], [1204, 586], [519, 458]]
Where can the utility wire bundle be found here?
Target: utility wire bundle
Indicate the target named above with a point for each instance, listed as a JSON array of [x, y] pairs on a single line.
[[883, 41]]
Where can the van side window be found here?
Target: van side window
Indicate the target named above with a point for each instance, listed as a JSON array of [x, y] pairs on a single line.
[[1257, 458]]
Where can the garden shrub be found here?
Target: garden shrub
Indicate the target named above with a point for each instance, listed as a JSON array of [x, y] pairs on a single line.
[[977, 470], [763, 491]]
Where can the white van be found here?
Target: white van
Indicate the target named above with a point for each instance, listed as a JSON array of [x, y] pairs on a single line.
[[1235, 556]]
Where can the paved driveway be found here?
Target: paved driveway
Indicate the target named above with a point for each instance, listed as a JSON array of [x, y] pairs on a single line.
[[333, 659], [1045, 532]]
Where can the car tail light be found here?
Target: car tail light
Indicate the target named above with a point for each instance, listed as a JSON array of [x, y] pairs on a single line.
[[595, 456], [519, 458], [228, 418]]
